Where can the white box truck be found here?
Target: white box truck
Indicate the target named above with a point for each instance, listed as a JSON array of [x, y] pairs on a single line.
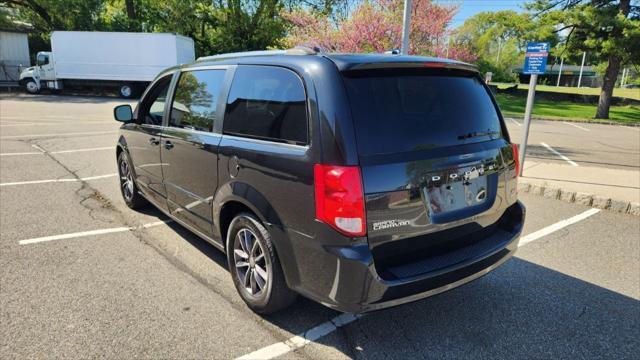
[[123, 61]]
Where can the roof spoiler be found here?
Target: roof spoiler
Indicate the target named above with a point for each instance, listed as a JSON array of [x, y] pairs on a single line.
[[417, 64]]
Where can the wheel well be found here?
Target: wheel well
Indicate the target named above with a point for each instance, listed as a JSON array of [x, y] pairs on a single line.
[[24, 81], [118, 151], [228, 212]]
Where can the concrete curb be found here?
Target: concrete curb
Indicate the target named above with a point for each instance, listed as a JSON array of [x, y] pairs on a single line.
[[596, 201], [603, 122]]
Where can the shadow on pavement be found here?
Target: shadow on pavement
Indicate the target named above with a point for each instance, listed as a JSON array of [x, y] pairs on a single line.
[[520, 310], [300, 316]]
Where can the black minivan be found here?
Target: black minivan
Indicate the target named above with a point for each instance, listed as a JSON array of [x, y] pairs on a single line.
[[359, 181]]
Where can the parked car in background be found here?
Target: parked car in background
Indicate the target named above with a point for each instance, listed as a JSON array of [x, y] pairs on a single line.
[[126, 62], [359, 181]]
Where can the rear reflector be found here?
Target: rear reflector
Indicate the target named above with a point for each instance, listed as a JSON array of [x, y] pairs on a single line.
[[340, 198], [516, 158]]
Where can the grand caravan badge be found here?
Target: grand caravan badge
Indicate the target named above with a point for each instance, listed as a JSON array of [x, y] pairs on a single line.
[[388, 224]]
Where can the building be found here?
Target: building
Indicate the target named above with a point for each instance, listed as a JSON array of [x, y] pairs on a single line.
[[569, 77], [14, 54]]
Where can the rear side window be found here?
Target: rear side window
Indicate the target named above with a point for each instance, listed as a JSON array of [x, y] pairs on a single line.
[[195, 99], [267, 102], [418, 109]]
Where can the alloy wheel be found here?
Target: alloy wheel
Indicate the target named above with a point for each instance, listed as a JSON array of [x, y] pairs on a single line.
[[126, 180], [250, 262]]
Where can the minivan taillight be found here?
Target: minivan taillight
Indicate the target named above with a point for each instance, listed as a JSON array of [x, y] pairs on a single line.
[[516, 158], [340, 198]]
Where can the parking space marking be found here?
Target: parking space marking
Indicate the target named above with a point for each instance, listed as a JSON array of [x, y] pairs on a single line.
[[57, 134], [514, 121], [91, 233], [43, 151], [560, 155], [319, 331], [557, 226], [21, 153], [577, 126], [23, 124], [82, 150], [57, 180], [301, 339]]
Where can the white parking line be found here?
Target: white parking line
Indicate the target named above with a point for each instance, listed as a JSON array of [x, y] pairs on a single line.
[[57, 180], [560, 155], [42, 152], [557, 226], [302, 339], [317, 332], [21, 153], [83, 150], [90, 233], [577, 126], [57, 134], [514, 121]]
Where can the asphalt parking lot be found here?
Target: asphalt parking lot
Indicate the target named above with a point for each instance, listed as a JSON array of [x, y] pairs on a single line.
[[84, 276]]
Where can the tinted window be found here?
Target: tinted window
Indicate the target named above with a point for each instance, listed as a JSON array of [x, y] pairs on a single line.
[[405, 110], [152, 109], [195, 99], [268, 103]]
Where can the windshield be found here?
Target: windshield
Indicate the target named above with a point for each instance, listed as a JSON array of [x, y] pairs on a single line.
[[416, 109]]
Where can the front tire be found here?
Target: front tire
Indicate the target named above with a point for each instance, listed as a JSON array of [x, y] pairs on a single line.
[[128, 187], [31, 86], [254, 266]]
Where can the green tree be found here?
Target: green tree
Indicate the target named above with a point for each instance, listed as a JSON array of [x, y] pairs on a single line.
[[607, 29], [499, 38], [215, 26]]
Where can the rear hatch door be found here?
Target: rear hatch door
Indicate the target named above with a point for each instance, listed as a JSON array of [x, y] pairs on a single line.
[[435, 156]]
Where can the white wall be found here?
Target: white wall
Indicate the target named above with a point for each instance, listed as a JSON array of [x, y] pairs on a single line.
[[14, 50]]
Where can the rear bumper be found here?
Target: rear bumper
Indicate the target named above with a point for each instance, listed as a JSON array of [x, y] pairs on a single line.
[[345, 277]]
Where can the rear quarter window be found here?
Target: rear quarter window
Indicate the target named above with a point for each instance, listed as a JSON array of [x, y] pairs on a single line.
[[267, 102], [418, 109]]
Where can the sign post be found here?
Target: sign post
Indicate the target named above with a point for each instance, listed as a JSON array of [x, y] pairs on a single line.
[[535, 62]]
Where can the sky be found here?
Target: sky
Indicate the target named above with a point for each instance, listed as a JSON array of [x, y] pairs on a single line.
[[469, 8]]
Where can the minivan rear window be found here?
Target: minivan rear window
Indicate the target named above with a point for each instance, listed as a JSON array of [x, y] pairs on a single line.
[[404, 110]]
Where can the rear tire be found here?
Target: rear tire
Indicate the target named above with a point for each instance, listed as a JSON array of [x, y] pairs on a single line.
[[126, 91], [31, 86], [254, 266], [128, 187]]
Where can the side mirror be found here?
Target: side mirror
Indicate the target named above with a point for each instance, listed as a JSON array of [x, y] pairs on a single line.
[[123, 113]]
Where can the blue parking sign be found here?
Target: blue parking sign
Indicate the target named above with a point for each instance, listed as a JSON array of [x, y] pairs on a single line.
[[535, 59]]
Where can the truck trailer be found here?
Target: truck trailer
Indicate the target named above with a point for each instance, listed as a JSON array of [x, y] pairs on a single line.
[[122, 61]]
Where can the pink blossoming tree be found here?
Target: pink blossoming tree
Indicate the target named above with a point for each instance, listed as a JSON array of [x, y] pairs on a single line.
[[376, 26]]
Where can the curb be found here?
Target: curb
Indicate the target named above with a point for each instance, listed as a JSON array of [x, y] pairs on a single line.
[[596, 201], [597, 122]]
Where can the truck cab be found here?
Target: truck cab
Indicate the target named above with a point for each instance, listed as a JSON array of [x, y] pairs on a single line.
[[42, 75]]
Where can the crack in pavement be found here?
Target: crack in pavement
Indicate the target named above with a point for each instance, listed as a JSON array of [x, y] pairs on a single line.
[[86, 192]]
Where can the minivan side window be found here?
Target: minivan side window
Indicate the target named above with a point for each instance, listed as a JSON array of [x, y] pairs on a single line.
[[267, 102], [152, 108], [195, 99]]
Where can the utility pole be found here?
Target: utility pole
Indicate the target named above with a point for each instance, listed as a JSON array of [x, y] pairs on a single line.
[[406, 22], [560, 72], [584, 54]]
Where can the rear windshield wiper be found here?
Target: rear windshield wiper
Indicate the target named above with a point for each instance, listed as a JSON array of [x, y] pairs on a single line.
[[477, 134]]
